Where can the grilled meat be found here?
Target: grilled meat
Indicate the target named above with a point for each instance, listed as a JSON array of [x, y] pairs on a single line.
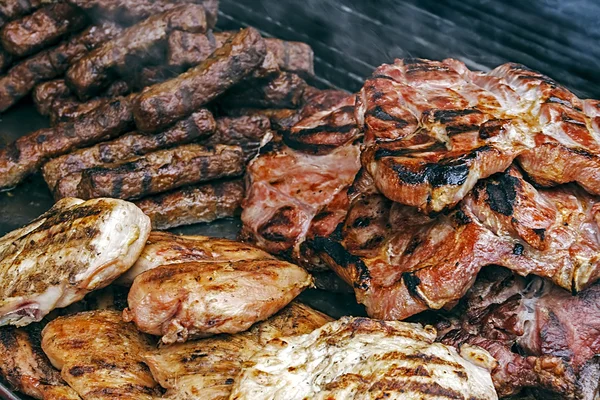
[[63, 174], [161, 171], [292, 196], [42, 28], [24, 156], [100, 356], [160, 105], [74, 248], [206, 297], [131, 11], [401, 262], [27, 369], [93, 72], [13, 9], [249, 132], [366, 359], [281, 119], [46, 93], [282, 91], [209, 366], [556, 334], [433, 129], [50, 63], [195, 204]]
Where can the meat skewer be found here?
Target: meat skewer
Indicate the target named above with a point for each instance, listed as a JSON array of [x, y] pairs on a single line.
[[160, 105], [28, 153], [191, 205], [63, 174], [51, 63], [42, 28], [93, 72], [161, 171], [282, 91]]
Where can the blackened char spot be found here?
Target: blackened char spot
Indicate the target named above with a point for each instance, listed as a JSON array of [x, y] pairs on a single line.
[[12, 152], [383, 152], [447, 116], [344, 259], [412, 282], [518, 249], [502, 193], [541, 233], [461, 218], [412, 245], [379, 113], [361, 222]]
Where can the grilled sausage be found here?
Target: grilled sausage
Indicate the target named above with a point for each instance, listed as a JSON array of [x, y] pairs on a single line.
[[93, 72], [160, 105], [248, 132], [161, 171], [191, 205], [282, 91], [13, 9], [46, 93]]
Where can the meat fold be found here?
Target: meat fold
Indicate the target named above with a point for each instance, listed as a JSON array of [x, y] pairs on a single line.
[[63, 174], [94, 71], [161, 171], [202, 298], [100, 356], [433, 129], [73, 249], [284, 90], [51, 63], [25, 155], [210, 366], [202, 203], [42, 28], [162, 104], [401, 262], [26, 368], [544, 338]]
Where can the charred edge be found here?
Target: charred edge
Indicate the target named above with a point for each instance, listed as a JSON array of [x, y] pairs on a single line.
[[502, 193], [71, 215], [379, 113], [541, 232], [491, 128], [7, 337], [279, 219], [556, 100], [447, 116], [583, 152], [412, 245], [380, 76], [412, 283], [344, 259], [80, 370], [461, 218], [12, 152], [518, 249], [361, 222]]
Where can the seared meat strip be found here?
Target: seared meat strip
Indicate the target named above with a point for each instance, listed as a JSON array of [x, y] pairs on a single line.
[[249, 132], [131, 11], [45, 94], [161, 171], [100, 356], [556, 333], [26, 368], [203, 298], [28, 153], [359, 358], [93, 72], [74, 248], [63, 174], [401, 262], [162, 104], [195, 204], [282, 91], [51, 63], [41, 29], [209, 366]]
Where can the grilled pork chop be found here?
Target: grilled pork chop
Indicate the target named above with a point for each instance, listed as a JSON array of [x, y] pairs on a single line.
[[433, 129], [209, 366], [402, 262], [222, 287], [543, 337], [359, 358], [100, 356], [74, 248]]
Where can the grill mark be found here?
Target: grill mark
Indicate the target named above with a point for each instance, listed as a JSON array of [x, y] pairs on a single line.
[[383, 152], [502, 193], [456, 129], [448, 116], [412, 282], [518, 249], [344, 259], [379, 113], [430, 388], [379, 76]]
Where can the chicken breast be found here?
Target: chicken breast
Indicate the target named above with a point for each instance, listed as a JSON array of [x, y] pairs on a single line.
[[360, 358], [74, 248], [163, 248], [100, 356], [198, 299], [209, 366]]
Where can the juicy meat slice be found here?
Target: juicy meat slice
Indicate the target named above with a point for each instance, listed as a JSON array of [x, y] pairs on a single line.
[[63, 174], [26, 368], [93, 72], [249, 132], [556, 333], [203, 298], [162, 104], [209, 366], [25, 155], [51, 63], [45, 94], [401, 262], [74, 248], [41, 29], [100, 355], [194, 204], [366, 359], [161, 171], [281, 91]]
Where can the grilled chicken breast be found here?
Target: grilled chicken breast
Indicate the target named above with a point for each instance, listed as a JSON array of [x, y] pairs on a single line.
[[359, 358], [74, 248], [209, 366], [100, 356]]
